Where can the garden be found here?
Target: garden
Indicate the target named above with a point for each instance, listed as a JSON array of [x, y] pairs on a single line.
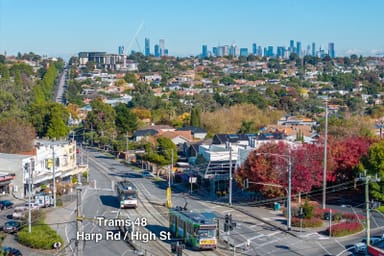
[[337, 223]]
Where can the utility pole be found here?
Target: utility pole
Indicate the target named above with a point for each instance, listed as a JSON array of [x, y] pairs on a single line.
[[230, 174], [367, 179], [325, 154], [168, 192], [79, 222], [54, 176], [126, 145], [29, 195], [289, 203]]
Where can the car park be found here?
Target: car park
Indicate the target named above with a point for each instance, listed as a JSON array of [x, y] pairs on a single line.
[[6, 204], [9, 251], [12, 226]]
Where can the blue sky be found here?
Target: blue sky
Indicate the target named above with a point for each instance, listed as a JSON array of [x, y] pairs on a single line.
[[65, 27]]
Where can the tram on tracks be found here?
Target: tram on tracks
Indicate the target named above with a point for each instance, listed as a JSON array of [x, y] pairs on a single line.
[[127, 194], [197, 230]]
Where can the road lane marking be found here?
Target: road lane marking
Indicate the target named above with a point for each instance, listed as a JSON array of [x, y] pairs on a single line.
[[342, 246], [325, 249], [273, 233]]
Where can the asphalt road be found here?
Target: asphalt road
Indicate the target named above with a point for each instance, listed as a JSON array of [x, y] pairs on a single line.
[[98, 199]]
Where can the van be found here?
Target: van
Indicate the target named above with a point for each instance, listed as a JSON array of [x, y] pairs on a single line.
[[19, 212]]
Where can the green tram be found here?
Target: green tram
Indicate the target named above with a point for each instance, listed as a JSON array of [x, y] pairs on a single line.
[[198, 230]]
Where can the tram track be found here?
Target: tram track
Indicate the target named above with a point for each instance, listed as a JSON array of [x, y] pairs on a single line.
[[156, 214]]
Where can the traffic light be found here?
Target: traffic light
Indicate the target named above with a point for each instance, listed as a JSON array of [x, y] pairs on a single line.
[[228, 218], [229, 224]]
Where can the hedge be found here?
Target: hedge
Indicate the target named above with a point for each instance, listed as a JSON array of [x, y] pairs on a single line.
[[42, 236]]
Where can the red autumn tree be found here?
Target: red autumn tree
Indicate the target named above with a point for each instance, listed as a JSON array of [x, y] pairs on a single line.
[[347, 154], [307, 167], [266, 168]]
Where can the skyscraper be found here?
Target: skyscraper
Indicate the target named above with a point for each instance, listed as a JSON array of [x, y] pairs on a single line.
[[308, 51], [157, 50], [215, 51], [254, 49], [291, 46], [298, 49], [259, 51], [147, 50], [331, 50], [161, 47], [244, 52], [121, 50], [280, 52], [313, 49], [204, 50]]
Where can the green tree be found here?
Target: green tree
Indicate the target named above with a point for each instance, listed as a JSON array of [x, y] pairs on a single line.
[[164, 152], [52, 116], [246, 127], [195, 117], [102, 117], [130, 78], [375, 166], [308, 209], [126, 120], [4, 72], [57, 122]]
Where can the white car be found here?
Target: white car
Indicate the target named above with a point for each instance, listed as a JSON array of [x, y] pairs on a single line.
[[33, 205], [361, 247], [20, 212]]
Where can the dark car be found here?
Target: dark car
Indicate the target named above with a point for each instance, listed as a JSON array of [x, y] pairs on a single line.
[[5, 204], [9, 251], [11, 226]]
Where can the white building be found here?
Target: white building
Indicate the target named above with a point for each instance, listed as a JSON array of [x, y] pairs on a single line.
[[46, 158]]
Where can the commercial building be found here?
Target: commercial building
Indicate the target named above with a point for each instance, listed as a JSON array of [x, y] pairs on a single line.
[[104, 60], [38, 166]]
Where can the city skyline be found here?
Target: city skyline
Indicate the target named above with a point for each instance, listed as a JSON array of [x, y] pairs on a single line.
[[64, 28]]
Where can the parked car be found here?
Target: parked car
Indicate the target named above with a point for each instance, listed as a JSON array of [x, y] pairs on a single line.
[[9, 251], [20, 212], [33, 205], [5, 204], [11, 226]]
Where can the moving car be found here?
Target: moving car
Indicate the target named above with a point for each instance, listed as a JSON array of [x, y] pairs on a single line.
[[361, 247], [5, 204], [11, 226], [147, 174]]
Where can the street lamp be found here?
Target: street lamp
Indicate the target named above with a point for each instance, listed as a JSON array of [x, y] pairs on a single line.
[[325, 154], [367, 179], [230, 174], [54, 175], [288, 159]]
